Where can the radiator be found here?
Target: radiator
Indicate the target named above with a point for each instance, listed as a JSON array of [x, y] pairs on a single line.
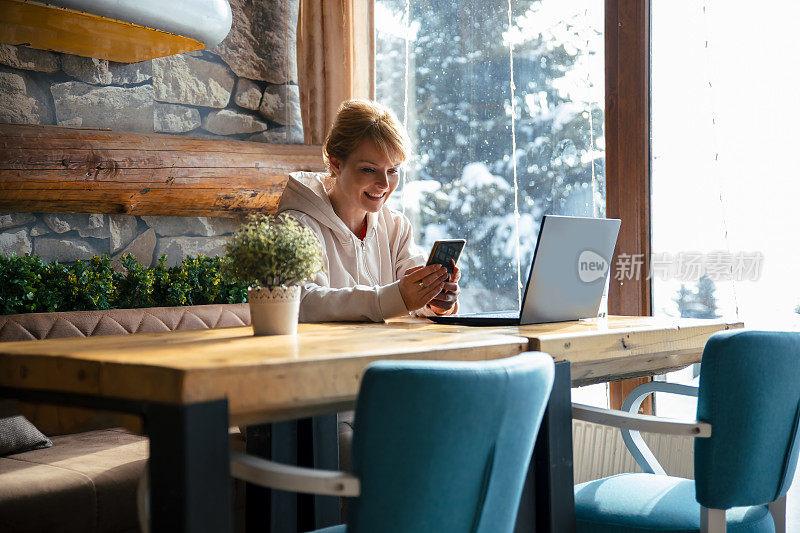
[[599, 452]]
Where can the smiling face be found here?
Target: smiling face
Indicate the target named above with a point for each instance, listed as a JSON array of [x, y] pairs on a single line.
[[363, 183]]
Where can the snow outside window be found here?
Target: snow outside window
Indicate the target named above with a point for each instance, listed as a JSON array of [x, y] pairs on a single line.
[[445, 69], [725, 183]]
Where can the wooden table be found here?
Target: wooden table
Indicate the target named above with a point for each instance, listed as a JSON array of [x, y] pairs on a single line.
[[588, 351], [190, 386], [609, 348], [594, 351]]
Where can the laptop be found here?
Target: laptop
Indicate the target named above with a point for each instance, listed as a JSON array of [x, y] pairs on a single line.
[[568, 274]]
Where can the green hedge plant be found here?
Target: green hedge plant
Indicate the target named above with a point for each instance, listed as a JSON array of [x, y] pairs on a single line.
[[273, 251], [30, 285]]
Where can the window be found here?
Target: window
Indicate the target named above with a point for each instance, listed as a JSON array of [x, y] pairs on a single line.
[[724, 178], [485, 151]]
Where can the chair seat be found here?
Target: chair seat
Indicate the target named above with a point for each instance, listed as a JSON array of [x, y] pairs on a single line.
[[633, 503]]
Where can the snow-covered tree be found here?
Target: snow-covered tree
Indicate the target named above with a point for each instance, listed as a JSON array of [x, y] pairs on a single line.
[[460, 119], [700, 303]]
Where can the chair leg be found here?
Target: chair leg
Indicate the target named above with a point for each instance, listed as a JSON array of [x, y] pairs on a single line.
[[778, 511], [712, 520]]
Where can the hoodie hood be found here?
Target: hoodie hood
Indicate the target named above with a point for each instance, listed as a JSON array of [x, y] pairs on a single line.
[[360, 280], [306, 192]]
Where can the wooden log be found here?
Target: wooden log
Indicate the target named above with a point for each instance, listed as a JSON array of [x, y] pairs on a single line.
[[51, 169]]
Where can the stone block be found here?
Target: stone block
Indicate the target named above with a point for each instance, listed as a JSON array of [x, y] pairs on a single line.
[[282, 135], [22, 100], [248, 94], [119, 108], [40, 228], [262, 43], [177, 248], [281, 104], [182, 79], [10, 220], [122, 230], [130, 73], [15, 242], [174, 118], [26, 58], [230, 122], [63, 250], [86, 69], [183, 226], [94, 225], [141, 248]]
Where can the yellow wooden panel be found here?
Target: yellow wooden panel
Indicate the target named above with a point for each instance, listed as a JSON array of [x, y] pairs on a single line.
[[83, 34]]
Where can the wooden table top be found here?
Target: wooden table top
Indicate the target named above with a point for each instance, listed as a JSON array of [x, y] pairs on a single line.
[[269, 378], [262, 377], [614, 347]]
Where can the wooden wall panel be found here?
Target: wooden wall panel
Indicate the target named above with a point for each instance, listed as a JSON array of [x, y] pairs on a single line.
[[77, 170], [627, 38]]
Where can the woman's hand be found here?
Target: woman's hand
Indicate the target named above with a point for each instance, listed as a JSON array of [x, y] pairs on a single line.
[[419, 285], [445, 301]]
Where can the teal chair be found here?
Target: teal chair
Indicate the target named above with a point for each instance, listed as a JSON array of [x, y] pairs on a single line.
[[746, 449], [437, 446]]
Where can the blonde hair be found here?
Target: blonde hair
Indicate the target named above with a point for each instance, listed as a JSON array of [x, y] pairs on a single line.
[[358, 120]]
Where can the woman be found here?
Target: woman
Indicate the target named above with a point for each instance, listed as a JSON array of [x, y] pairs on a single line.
[[373, 270]]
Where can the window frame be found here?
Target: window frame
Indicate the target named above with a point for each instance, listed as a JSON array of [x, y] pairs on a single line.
[[627, 122]]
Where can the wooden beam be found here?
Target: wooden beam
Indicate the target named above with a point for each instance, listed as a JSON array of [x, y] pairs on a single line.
[[50, 169], [627, 39]]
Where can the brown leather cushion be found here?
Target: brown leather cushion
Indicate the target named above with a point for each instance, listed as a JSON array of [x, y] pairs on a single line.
[[85, 483]]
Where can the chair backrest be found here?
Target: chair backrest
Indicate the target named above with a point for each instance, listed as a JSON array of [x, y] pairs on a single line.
[[750, 394], [445, 446]]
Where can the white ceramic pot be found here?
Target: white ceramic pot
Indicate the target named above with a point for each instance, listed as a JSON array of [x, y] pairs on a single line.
[[274, 312]]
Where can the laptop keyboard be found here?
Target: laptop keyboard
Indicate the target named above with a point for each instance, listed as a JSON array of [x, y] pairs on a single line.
[[493, 314]]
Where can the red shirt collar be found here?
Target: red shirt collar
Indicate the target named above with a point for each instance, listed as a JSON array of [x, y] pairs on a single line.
[[363, 231]]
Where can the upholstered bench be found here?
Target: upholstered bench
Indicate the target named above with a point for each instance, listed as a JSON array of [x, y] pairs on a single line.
[[87, 481], [84, 482]]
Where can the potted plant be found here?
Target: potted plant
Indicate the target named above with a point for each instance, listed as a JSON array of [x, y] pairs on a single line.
[[274, 254]]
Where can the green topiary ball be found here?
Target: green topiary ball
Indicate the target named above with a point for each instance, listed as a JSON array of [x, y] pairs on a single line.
[[273, 251]]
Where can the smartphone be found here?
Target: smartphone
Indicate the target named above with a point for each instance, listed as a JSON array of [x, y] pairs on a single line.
[[445, 250]]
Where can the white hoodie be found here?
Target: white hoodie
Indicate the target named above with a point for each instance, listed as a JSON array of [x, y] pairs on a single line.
[[360, 279]]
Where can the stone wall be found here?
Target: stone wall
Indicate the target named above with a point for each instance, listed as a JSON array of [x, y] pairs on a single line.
[[71, 237], [243, 89]]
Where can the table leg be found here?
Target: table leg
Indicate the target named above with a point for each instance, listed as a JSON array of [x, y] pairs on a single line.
[[325, 431], [272, 511], [257, 498], [308, 442], [190, 481], [548, 500]]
